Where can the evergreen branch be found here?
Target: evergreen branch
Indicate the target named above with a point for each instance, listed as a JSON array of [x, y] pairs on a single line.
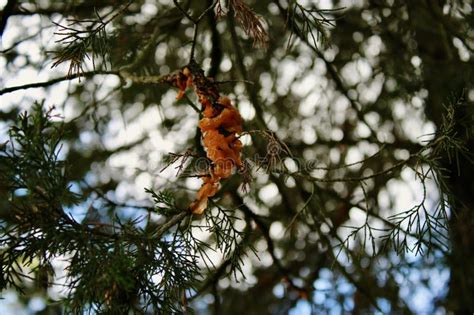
[[309, 21], [235, 81], [338, 167], [175, 157], [355, 105], [221, 224], [105, 267], [348, 179], [398, 227], [363, 289], [303, 208], [193, 44], [79, 39], [429, 230], [112, 202], [285, 272], [230, 260], [191, 104], [250, 22]]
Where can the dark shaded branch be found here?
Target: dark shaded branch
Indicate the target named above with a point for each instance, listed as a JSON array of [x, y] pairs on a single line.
[[82, 8], [211, 6], [193, 47], [7, 12], [216, 52]]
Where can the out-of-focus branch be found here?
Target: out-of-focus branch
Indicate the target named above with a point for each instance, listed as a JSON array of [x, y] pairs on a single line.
[[86, 7], [195, 21], [361, 287], [6, 13], [285, 272], [350, 179], [332, 72], [18, 42], [146, 52], [288, 198], [56, 80], [216, 51], [184, 11], [239, 60]]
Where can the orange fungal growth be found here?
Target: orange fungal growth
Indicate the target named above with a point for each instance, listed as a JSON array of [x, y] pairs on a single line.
[[183, 80], [220, 127], [208, 189]]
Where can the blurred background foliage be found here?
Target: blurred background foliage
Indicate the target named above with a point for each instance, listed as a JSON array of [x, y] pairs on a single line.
[[358, 130]]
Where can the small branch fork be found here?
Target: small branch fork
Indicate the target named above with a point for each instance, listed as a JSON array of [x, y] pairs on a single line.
[[195, 22]]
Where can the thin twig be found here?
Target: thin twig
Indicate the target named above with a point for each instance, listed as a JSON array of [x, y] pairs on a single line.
[[235, 81], [355, 105], [300, 211], [193, 47], [184, 11], [347, 179], [270, 244], [206, 11], [171, 222], [149, 79], [56, 80]]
